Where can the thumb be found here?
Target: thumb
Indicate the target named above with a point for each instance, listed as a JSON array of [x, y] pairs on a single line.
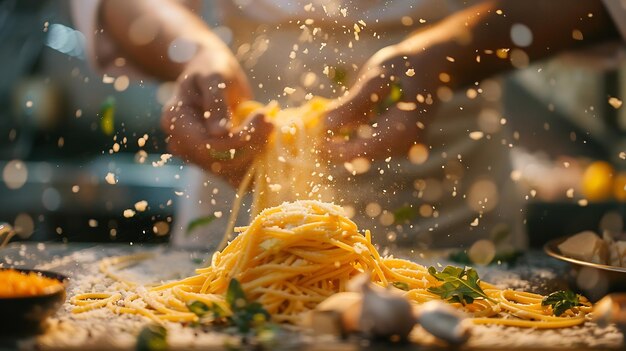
[[254, 132]]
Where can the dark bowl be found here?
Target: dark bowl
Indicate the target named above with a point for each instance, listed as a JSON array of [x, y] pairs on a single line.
[[592, 279], [26, 314]]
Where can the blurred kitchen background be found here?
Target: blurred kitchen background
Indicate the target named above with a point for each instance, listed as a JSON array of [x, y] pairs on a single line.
[[56, 140], [64, 128]]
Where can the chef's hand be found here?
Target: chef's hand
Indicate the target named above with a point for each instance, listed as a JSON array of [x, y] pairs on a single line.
[[197, 119], [384, 98]]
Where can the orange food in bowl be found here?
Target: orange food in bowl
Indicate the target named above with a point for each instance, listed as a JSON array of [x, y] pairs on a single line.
[[18, 284]]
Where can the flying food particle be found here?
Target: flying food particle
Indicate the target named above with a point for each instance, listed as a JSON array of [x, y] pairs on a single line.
[[110, 178], [476, 135], [141, 206], [615, 102]]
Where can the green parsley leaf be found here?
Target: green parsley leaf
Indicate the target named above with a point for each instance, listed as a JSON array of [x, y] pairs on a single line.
[[401, 285], [152, 338], [199, 222], [234, 294], [245, 315], [561, 301], [395, 94], [107, 116], [460, 285], [198, 308]]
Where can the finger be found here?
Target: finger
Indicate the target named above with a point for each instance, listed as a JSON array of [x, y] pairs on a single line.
[[238, 90], [213, 104], [356, 107], [396, 132], [229, 155], [253, 134]]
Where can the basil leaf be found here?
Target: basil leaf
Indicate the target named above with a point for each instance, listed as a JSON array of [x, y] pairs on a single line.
[[460, 285], [561, 301], [401, 285]]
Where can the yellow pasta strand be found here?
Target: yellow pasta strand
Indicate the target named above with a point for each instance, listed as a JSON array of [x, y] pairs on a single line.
[[289, 271], [293, 255]]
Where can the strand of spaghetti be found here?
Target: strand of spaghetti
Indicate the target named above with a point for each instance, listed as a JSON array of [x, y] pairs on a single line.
[[565, 323], [208, 299], [289, 296], [193, 280], [122, 262], [96, 304], [232, 219]]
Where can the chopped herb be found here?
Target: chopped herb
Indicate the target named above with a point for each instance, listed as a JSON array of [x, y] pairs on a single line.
[[245, 315], [197, 260], [395, 94], [152, 338], [340, 76], [222, 155], [460, 285], [404, 214], [206, 314], [198, 308], [561, 301], [199, 222], [401, 285], [107, 116]]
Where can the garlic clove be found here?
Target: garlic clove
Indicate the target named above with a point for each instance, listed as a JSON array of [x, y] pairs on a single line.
[[386, 314], [347, 305], [611, 309], [444, 322]]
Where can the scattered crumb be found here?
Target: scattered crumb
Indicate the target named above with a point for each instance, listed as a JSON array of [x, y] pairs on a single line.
[[577, 34], [141, 206], [476, 135], [615, 102], [110, 178]]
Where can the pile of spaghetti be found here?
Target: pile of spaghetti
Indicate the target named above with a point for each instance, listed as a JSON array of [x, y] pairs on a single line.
[[290, 167], [293, 256]]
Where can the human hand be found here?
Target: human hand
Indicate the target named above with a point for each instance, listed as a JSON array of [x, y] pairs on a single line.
[[197, 119], [384, 98]]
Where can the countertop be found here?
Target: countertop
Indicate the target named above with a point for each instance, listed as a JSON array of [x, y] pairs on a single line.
[[534, 271]]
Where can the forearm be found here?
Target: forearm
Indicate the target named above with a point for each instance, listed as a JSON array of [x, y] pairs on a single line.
[[160, 23], [465, 45]]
